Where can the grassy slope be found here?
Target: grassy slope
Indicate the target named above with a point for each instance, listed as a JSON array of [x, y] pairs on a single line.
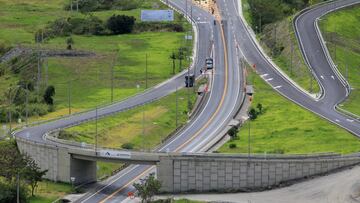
[[90, 77], [127, 127], [299, 72], [284, 127], [342, 29], [48, 192]]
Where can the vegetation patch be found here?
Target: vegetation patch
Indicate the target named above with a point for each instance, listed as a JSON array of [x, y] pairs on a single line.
[[341, 32], [285, 128], [141, 128], [83, 82]]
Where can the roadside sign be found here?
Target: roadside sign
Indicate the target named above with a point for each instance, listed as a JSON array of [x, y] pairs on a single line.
[[157, 15], [188, 37], [115, 154]]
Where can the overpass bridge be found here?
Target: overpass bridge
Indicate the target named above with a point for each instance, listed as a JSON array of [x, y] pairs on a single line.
[[184, 172]]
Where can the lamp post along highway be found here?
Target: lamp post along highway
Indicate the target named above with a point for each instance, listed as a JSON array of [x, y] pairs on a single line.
[[96, 130]]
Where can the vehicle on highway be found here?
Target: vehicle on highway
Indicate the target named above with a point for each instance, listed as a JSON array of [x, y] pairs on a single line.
[[209, 63], [189, 80]]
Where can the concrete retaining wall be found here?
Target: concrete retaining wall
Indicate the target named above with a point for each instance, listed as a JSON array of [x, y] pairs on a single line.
[[59, 162], [221, 173]]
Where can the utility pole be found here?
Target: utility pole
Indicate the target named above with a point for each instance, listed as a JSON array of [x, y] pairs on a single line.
[[177, 108], [69, 96], [112, 82], [27, 105], [249, 137], [291, 56], [18, 188], [146, 71], [71, 5], [77, 5], [46, 71], [96, 130], [275, 43], [38, 73]]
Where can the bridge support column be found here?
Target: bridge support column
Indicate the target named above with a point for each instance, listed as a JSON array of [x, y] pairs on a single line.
[[165, 173], [83, 171]]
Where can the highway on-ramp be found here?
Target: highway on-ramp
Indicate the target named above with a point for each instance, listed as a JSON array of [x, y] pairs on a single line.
[[334, 88]]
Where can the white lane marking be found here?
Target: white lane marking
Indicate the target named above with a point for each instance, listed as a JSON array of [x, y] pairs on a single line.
[[270, 79], [350, 120], [337, 120], [202, 22], [277, 87], [333, 77], [264, 75], [322, 77]]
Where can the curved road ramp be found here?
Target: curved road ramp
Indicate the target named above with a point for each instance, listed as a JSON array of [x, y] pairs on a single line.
[[189, 172]]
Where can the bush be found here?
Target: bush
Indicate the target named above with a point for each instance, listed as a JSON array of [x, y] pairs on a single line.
[[158, 27], [120, 24], [253, 114], [232, 146], [8, 193], [127, 146], [48, 95], [233, 132]]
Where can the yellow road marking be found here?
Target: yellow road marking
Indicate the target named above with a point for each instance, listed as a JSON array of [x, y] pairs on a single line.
[[199, 131]]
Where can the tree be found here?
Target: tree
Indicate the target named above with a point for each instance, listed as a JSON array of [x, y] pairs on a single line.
[[147, 188], [252, 114], [260, 108], [233, 132], [11, 161], [49, 93], [69, 43], [173, 58], [33, 174], [120, 24]]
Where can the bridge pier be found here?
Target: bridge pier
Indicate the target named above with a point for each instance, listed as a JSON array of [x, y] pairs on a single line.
[[83, 171]]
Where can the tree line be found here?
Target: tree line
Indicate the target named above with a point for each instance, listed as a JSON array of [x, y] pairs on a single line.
[[264, 12], [19, 174]]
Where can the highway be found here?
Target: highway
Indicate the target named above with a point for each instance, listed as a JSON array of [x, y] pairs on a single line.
[[224, 100], [335, 89], [225, 91]]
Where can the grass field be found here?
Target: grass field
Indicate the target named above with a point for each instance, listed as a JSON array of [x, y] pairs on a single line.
[[156, 120], [341, 31], [49, 192], [287, 128], [88, 79]]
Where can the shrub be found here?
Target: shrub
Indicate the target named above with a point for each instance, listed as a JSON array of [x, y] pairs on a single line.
[[252, 114], [233, 132], [232, 146], [158, 27], [120, 24], [127, 146], [48, 95]]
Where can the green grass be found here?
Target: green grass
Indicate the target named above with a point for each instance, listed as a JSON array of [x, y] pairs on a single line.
[[287, 128], [49, 191], [127, 127], [90, 76], [341, 31]]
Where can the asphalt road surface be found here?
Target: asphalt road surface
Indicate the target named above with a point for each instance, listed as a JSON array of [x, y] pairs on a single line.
[[335, 89]]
